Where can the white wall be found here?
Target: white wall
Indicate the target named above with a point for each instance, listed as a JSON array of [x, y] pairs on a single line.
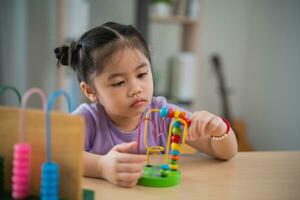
[[112, 10], [260, 45], [28, 35]]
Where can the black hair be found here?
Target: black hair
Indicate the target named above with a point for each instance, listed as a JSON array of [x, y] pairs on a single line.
[[109, 38]]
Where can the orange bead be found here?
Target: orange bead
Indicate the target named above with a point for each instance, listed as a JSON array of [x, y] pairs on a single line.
[[175, 158]]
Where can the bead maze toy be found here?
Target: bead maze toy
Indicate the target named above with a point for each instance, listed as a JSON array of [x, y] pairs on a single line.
[[166, 174]]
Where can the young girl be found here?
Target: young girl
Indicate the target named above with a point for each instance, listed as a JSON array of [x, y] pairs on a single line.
[[113, 67]]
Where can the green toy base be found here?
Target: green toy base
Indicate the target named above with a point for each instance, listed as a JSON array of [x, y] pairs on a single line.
[[152, 177]]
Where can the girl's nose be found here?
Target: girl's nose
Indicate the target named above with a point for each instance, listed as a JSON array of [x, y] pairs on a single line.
[[135, 90]]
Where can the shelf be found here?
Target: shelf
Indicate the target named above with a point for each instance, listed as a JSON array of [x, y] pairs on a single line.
[[173, 19]]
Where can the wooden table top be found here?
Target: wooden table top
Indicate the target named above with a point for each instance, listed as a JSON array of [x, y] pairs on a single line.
[[250, 175]]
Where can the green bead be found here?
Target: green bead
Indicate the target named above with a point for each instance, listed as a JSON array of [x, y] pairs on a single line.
[[176, 131], [173, 162], [164, 173]]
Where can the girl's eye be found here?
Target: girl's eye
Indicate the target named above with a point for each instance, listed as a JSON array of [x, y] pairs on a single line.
[[118, 84], [142, 75]]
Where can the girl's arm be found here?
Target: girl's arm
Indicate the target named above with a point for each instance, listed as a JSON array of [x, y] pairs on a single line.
[[204, 125]]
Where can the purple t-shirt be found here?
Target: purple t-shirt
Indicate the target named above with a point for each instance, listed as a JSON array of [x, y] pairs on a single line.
[[101, 134]]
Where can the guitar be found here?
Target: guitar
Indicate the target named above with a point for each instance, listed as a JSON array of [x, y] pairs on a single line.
[[237, 125]]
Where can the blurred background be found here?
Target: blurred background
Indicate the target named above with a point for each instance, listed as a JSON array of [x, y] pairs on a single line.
[[235, 58]]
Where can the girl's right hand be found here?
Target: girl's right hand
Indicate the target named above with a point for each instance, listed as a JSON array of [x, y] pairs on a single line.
[[121, 167]]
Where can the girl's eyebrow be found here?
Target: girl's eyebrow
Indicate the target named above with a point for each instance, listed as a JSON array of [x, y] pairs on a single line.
[[122, 74]]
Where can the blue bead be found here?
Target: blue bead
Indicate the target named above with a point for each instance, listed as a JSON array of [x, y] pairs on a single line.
[[165, 167], [175, 152], [177, 124], [164, 112]]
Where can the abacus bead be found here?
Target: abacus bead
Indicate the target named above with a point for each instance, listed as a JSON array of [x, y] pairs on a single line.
[[182, 115], [177, 124], [175, 138], [175, 146], [171, 113], [176, 131], [175, 152], [175, 157], [176, 114], [173, 167], [164, 112]]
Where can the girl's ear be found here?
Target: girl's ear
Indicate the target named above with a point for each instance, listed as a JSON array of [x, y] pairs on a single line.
[[88, 91]]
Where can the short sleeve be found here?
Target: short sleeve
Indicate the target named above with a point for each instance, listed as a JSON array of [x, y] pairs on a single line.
[[90, 131]]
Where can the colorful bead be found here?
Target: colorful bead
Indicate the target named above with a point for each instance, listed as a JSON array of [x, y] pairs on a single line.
[[164, 112], [176, 114], [176, 131], [175, 146], [164, 173], [173, 162], [188, 121], [171, 113], [177, 124], [175, 138], [182, 115], [173, 167], [165, 167], [175, 158], [175, 152]]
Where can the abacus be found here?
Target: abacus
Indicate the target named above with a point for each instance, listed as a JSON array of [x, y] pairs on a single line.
[[166, 174], [20, 170]]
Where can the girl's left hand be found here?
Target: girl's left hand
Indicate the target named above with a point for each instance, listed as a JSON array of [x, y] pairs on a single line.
[[205, 123]]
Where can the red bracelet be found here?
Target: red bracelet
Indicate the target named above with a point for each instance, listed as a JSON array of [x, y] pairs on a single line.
[[227, 124]]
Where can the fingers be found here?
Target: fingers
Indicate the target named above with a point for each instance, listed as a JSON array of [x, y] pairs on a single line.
[[129, 167], [127, 179], [216, 126], [204, 122], [199, 121], [126, 147], [131, 158]]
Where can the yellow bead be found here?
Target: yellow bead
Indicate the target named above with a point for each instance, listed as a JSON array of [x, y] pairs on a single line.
[[173, 167], [176, 114], [175, 146]]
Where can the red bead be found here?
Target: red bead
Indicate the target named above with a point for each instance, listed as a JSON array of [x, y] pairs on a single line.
[[171, 113], [182, 115], [188, 121], [175, 138]]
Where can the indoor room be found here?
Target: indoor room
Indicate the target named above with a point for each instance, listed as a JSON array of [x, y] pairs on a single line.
[[200, 97]]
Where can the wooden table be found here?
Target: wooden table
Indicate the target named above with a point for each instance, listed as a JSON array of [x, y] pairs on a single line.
[[250, 175]]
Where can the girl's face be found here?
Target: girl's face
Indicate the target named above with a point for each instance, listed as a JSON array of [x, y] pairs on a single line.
[[125, 86]]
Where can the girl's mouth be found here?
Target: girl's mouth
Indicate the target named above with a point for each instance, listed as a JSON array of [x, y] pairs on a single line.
[[138, 103]]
